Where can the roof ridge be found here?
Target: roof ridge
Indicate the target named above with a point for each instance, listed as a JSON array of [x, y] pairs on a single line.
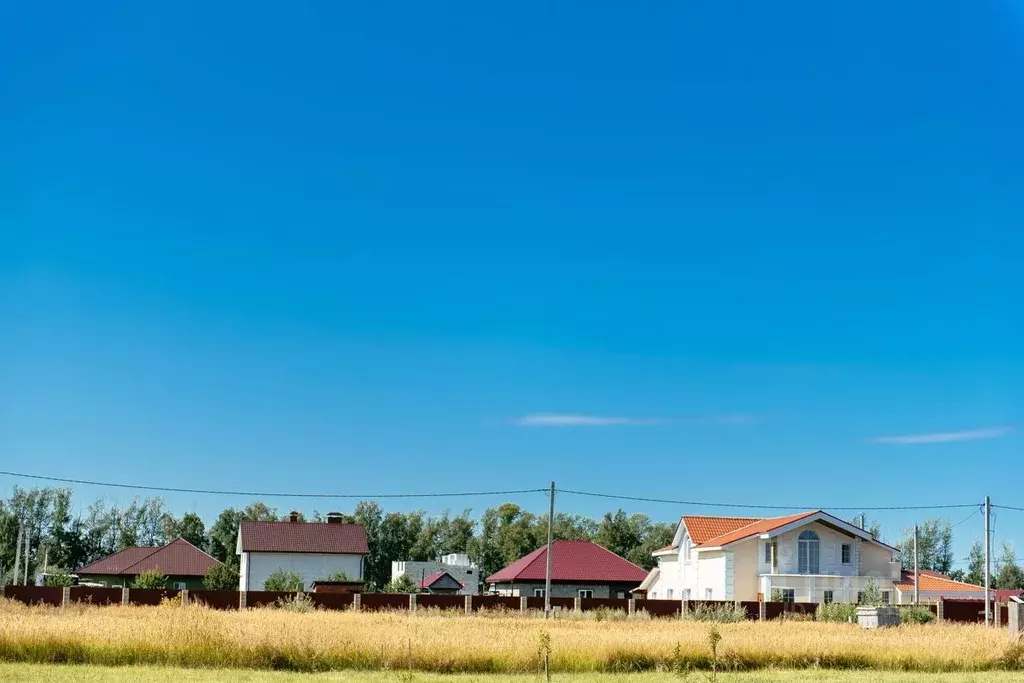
[[144, 557], [179, 538]]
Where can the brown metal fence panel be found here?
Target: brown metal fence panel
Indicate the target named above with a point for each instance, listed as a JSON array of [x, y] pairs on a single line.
[[590, 604], [534, 603], [562, 603], [150, 596], [333, 600], [752, 608], [806, 608], [95, 595], [659, 608], [429, 600], [215, 599], [36, 595], [372, 602], [266, 598], [964, 611], [1004, 614], [774, 610], [507, 602]]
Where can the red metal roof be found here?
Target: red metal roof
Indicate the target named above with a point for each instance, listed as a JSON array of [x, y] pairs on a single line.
[[934, 581], [303, 537], [756, 527], [431, 579], [572, 561], [177, 558], [703, 529]]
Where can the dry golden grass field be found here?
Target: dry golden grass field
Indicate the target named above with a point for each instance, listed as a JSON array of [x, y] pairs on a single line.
[[388, 643]]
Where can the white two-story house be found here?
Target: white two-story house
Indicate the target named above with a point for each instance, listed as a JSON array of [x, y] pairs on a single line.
[[806, 557]]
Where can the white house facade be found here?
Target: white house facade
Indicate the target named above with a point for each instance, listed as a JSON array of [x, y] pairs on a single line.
[[316, 551], [808, 557]]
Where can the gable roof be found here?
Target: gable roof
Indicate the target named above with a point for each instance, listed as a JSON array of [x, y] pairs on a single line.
[[714, 532], [177, 558], [702, 529], [572, 561], [431, 579], [302, 537], [934, 581]]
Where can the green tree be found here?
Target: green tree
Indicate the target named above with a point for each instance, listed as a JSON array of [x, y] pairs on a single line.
[[658, 535], [506, 534], [401, 584], [152, 578], [221, 577], [340, 575], [376, 567], [190, 528], [934, 546], [283, 580], [224, 532], [976, 565], [1009, 575], [567, 527], [59, 579]]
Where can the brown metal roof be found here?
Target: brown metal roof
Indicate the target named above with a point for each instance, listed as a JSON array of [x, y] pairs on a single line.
[[303, 537], [177, 558], [572, 561]]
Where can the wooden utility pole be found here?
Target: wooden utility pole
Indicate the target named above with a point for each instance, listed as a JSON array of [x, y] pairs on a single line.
[[917, 572], [547, 568], [17, 555]]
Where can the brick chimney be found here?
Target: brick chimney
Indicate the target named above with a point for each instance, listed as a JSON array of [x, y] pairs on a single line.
[[293, 516], [335, 518]]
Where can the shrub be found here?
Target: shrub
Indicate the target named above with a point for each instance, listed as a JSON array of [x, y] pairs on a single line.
[[723, 614], [340, 575], [915, 614], [300, 602], [59, 578], [283, 580], [221, 577], [838, 612], [872, 594], [152, 578], [402, 584]]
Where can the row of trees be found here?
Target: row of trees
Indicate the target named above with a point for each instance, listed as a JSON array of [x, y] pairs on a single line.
[[500, 535]]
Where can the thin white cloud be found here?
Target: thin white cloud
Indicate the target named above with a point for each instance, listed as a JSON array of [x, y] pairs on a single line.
[[945, 437], [580, 420]]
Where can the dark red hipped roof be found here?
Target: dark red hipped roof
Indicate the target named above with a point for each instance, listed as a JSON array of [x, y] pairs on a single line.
[[572, 561], [431, 579], [303, 537], [177, 558]]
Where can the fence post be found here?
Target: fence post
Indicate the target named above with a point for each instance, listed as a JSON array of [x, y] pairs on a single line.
[[241, 600], [522, 603], [412, 602], [184, 597], [65, 596], [577, 604], [1016, 615], [998, 614], [124, 595], [940, 611], [762, 611], [469, 604], [631, 607], [357, 602]]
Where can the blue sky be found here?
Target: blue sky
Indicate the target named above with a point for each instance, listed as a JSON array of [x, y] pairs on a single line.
[[321, 246]]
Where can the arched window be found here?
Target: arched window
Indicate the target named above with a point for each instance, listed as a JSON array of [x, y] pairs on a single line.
[[808, 547], [686, 549]]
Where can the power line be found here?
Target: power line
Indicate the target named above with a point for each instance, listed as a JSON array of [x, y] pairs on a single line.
[[967, 518], [762, 507], [1008, 507], [268, 494]]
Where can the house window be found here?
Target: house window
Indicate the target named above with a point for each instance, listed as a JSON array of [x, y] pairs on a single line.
[[827, 598], [668, 593], [860, 597], [538, 592], [620, 595], [708, 593], [768, 552], [686, 594], [808, 552], [885, 597], [686, 550], [788, 594], [847, 553], [586, 593], [179, 585]]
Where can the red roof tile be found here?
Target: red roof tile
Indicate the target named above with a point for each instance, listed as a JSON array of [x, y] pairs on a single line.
[[431, 579], [572, 561], [177, 558], [303, 537], [755, 528], [934, 581], [704, 528]]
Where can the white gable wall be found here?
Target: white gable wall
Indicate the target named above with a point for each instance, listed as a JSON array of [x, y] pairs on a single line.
[[256, 567]]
